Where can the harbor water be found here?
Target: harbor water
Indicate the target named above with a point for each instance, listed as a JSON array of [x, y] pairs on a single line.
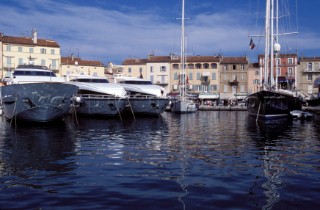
[[203, 160]]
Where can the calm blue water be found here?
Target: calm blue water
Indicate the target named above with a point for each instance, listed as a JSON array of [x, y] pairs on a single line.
[[205, 160]]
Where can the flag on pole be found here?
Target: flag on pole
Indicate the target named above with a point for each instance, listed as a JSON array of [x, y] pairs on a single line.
[[251, 45]]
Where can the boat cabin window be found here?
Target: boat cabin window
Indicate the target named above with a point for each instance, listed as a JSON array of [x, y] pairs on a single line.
[[33, 73], [26, 66], [135, 82], [90, 80]]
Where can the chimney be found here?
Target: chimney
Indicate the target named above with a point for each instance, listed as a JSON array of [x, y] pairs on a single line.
[[34, 36]]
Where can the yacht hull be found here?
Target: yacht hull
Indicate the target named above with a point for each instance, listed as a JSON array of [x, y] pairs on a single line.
[[100, 105], [272, 105], [147, 105], [37, 102]]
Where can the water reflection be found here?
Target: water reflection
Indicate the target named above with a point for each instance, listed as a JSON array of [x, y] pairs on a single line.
[[31, 155], [268, 137]]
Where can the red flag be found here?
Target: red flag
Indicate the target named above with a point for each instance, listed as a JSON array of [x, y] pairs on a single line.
[[251, 45], [187, 81]]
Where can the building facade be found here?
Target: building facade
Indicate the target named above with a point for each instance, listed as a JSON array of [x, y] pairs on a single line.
[[233, 78], [71, 65], [309, 71], [21, 50], [284, 70]]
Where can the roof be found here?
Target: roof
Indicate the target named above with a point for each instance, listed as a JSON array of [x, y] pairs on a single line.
[[234, 60], [282, 55], [72, 61], [306, 59], [28, 41], [169, 59]]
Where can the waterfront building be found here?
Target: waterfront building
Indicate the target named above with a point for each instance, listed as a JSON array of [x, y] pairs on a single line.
[[309, 71], [20, 50], [253, 78], [284, 71], [233, 78], [201, 76], [72, 65]]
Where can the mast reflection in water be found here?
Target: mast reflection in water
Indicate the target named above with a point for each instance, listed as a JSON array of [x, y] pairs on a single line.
[[203, 160]]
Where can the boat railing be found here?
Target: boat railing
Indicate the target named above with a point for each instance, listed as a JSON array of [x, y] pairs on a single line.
[[97, 96]]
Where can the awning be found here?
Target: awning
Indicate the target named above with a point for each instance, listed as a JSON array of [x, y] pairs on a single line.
[[209, 96], [282, 79], [316, 82]]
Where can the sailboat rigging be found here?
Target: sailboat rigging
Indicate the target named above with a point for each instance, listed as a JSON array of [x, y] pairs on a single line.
[[271, 102], [183, 104]]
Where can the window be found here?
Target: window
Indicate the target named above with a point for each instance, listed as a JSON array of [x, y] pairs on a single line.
[[151, 78], [198, 76], [242, 67], [175, 76], [8, 47], [278, 71], [214, 76], [9, 61], [43, 51], [140, 70], [225, 67], [234, 67], [290, 60], [190, 76], [309, 77], [278, 61], [151, 69], [206, 65], [162, 69], [225, 77], [290, 71], [309, 66], [30, 50], [242, 88], [19, 49], [43, 62], [198, 66], [214, 65], [310, 89], [256, 82], [20, 61], [225, 88], [242, 77], [129, 70], [54, 64], [213, 87], [257, 73]]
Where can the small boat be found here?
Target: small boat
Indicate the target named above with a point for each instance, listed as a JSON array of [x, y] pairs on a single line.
[[144, 98], [183, 104], [299, 114], [97, 96], [35, 93]]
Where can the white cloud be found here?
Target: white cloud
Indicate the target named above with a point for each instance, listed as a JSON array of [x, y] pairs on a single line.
[[109, 35]]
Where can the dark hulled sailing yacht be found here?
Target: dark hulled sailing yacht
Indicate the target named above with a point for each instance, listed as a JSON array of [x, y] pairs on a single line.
[[271, 102]]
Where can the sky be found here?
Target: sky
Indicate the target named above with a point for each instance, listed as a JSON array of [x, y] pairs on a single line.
[[114, 30]]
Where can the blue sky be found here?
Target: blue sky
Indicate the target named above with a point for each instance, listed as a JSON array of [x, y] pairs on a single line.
[[113, 30]]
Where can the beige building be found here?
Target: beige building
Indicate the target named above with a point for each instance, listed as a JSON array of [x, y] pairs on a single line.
[[72, 65], [309, 71], [233, 77], [253, 78], [20, 50]]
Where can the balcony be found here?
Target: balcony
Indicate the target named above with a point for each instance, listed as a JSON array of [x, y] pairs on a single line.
[[233, 82]]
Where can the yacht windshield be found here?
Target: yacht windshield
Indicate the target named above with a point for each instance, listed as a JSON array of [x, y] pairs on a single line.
[[90, 80], [33, 73], [136, 82]]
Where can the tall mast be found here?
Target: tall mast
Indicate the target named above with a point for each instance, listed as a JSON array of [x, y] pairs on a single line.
[[271, 43], [182, 52], [267, 44]]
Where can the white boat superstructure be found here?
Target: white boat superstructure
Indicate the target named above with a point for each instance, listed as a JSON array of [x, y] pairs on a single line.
[[144, 98], [97, 96], [135, 85]]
